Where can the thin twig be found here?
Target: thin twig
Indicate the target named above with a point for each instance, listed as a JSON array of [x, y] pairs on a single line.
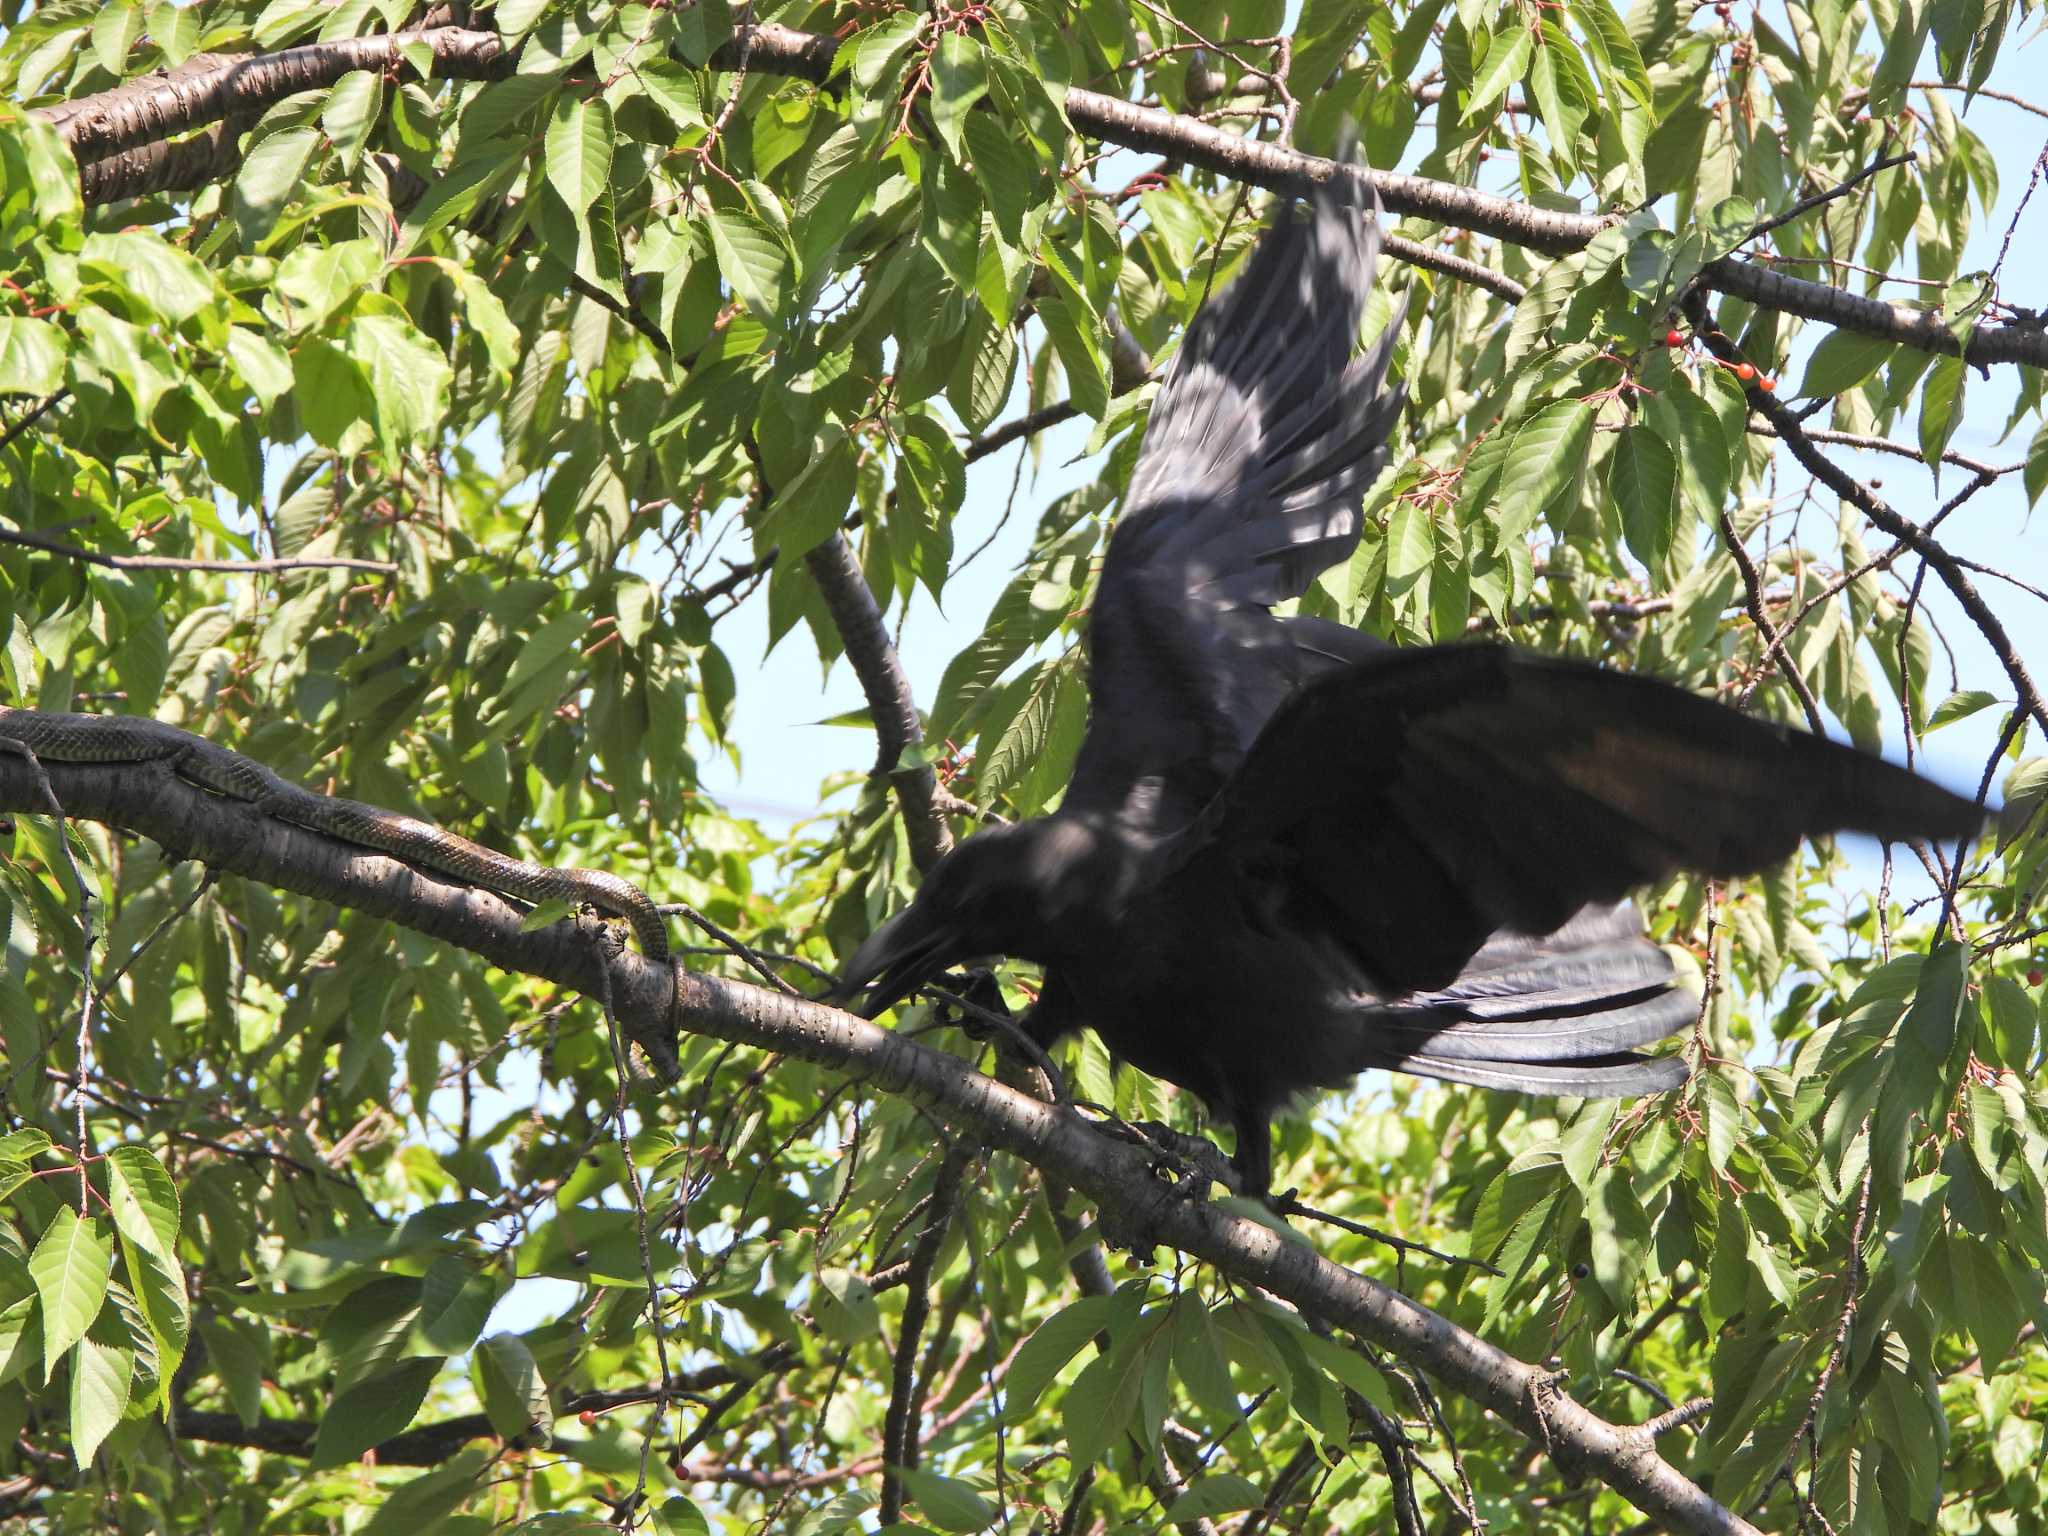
[[34, 414], [1808, 204], [1403, 1245], [174, 563]]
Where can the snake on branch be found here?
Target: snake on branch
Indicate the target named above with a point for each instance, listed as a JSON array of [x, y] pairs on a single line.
[[66, 738]]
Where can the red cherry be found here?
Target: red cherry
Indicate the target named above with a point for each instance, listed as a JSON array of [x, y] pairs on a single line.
[[587, 1417], [1673, 339], [1767, 384], [2034, 977], [1744, 372]]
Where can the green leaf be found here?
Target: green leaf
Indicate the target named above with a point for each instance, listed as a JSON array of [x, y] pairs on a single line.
[[1102, 1402], [545, 914], [1723, 1115], [1549, 450], [21, 1337], [808, 510], [1051, 1345], [171, 281], [1644, 483], [1843, 360], [579, 151], [144, 1205], [1075, 330], [101, 1378], [331, 391], [679, 1517], [1941, 409], [673, 89], [1218, 1493], [1411, 543], [947, 1502], [959, 80], [2034, 476], [1960, 705], [353, 108], [509, 1382], [272, 174], [31, 356], [71, 1266], [846, 1306], [1353, 1370], [2025, 792], [755, 263], [1507, 60], [983, 375], [409, 378], [374, 1410]]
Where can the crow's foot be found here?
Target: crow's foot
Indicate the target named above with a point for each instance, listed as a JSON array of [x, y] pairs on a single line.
[[1195, 1162]]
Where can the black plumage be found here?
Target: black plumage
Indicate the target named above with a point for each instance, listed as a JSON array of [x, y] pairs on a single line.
[[1290, 852]]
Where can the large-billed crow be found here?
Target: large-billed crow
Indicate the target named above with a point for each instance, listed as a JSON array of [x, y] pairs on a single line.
[[1290, 852]]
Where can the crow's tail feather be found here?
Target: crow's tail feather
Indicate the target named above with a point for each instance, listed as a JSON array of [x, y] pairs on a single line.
[[1557, 1015]]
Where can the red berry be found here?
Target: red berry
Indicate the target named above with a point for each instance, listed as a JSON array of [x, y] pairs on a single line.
[[2034, 977], [1673, 339], [1767, 384], [587, 1417], [1744, 372]]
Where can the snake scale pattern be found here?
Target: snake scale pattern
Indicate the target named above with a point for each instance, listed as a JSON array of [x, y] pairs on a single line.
[[66, 738]]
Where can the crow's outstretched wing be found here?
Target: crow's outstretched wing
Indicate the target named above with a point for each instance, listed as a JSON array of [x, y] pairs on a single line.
[[1411, 805], [1260, 446]]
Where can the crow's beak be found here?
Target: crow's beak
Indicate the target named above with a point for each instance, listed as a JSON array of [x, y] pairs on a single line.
[[897, 958]]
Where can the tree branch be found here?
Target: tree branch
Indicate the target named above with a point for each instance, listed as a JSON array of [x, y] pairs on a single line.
[[236, 838], [143, 112], [1792, 432], [898, 730], [174, 563]]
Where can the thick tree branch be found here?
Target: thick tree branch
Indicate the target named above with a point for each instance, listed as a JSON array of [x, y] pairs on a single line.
[[146, 112], [238, 839]]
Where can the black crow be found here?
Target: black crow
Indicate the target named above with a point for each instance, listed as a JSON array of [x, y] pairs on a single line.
[[1290, 852]]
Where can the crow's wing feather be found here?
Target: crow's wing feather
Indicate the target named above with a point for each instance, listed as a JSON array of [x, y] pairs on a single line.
[[1412, 804], [1260, 445]]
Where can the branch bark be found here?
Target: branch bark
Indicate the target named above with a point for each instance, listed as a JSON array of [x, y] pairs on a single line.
[[235, 838], [898, 730], [135, 118]]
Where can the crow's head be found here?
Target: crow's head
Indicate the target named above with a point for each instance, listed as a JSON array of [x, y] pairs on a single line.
[[994, 894]]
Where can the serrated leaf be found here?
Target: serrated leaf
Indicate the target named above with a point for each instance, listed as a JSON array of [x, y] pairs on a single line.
[[1548, 451], [71, 1266], [579, 151], [1644, 483], [959, 68], [273, 173], [101, 1377], [409, 378], [755, 264], [1507, 60]]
